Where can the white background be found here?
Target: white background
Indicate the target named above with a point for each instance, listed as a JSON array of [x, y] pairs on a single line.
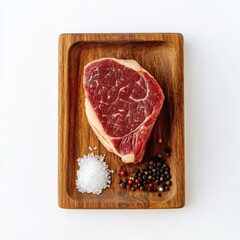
[[28, 118]]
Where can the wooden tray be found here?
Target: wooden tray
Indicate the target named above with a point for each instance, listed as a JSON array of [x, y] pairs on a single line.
[[162, 56]]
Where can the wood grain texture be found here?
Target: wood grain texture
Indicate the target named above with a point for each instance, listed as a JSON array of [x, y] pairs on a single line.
[[162, 56]]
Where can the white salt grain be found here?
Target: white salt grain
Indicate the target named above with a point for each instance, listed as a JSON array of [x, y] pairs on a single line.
[[93, 175]]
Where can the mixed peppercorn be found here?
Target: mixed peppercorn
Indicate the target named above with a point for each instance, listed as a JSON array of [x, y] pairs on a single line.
[[154, 176]]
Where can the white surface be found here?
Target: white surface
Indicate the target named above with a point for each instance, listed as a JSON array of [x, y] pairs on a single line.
[[28, 118]]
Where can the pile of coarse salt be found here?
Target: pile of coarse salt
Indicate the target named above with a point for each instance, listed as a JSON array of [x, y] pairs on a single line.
[[93, 175]]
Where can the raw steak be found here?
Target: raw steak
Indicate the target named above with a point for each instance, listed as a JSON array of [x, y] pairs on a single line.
[[122, 103]]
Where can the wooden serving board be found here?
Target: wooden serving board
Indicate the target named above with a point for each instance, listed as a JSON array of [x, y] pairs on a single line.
[[162, 56]]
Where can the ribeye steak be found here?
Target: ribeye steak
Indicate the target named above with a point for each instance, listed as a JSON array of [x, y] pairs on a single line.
[[122, 103]]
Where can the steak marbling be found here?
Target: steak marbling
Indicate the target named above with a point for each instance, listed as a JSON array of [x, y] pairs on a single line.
[[122, 103]]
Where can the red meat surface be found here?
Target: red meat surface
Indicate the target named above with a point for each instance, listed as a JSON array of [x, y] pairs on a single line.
[[122, 103]]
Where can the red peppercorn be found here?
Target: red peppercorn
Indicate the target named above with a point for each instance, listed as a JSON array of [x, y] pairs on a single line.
[[137, 181], [122, 173], [128, 186], [150, 185], [130, 182]]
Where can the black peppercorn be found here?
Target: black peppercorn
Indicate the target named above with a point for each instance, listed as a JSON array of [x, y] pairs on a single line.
[[168, 151], [166, 187], [152, 176], [158, 164], [168, 183], [157, 181], [162, 185]]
